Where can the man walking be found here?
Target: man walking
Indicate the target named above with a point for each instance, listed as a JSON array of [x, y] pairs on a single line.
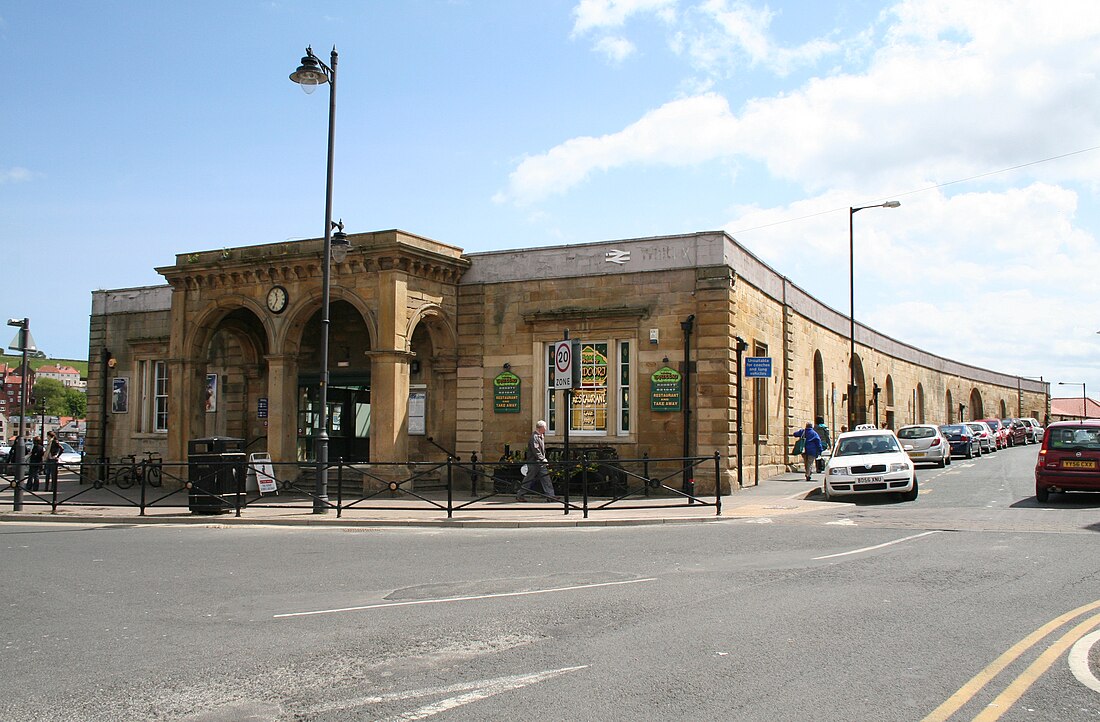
[[537, 466]]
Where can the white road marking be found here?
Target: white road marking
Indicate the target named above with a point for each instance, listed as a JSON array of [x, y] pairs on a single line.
[[462, 599], [1079, 661], [878, 546], [474, 691], [841, 522]]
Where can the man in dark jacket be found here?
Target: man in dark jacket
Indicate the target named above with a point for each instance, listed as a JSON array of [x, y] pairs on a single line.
[[37, 451], [537, 466]]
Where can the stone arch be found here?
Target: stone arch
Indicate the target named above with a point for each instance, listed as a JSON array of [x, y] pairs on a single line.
[[1004, 410], [949, 408], [819, 386], [977, 411], [920, 403], [225, 373], [288, 339], [432, 345], [857, 407], [890, 401]]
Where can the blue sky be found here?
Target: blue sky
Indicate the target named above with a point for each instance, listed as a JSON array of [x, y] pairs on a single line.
[[138, 130]]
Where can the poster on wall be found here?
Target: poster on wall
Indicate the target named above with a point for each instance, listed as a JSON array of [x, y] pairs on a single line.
[[211, 393], [120, 394], [417, 399]]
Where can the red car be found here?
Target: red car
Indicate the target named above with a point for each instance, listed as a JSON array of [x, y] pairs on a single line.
[[1000, 433], [1017, 434], [1069, 459]]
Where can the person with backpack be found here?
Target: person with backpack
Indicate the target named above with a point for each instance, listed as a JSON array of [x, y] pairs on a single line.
[[811, 447], [35, 467]]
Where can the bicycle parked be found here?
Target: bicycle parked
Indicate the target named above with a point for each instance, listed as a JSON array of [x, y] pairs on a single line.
[[133, 472]]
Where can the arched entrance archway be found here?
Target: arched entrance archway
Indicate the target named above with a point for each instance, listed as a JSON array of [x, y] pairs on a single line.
[[1004, 409], [819, 386], [920, 403], [432, 384], [949, 407], [348, 397], [977, 411], [857, 407]]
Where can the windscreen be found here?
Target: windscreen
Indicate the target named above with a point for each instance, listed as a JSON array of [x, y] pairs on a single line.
[[878, 444], [916, 432], [1070, 438]]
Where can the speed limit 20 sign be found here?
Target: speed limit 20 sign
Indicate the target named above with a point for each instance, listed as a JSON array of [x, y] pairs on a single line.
[[566, 364]]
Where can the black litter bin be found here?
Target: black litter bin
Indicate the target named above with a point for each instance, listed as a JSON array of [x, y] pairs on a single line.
[[216, 469]]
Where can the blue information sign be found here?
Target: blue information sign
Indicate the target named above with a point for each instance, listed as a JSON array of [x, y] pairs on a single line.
[[758, 367]]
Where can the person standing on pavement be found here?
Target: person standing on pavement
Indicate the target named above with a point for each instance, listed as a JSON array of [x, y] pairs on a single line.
[[811, 447], [35, 462], [53, 453], [822, 430], [538, 468]]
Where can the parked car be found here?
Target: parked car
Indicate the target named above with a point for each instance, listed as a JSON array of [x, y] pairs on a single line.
[[1069, 458], [869, 461], [962, 440], [1017, 435], [69, 455], [985, 436], [925, 443], [1000, 433], [1036, 428]]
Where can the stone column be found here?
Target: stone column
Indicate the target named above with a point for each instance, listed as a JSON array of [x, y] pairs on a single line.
[[389, 401], [715, 379], [282, 408]]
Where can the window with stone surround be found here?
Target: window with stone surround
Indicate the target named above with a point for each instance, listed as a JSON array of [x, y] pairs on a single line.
[[601, 406], [152, 378]]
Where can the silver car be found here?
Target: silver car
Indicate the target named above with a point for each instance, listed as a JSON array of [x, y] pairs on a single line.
[[925, 443], [986, 440], [1033, 429]]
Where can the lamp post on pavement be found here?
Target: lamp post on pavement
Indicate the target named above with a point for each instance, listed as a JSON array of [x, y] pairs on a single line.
[[311, 73], [1084, 396], [23, 343], [852, 387]]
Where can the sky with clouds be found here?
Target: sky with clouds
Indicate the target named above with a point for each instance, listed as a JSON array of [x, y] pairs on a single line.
[[141, 130]]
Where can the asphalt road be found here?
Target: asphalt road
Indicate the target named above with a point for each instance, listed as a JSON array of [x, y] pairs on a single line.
[[973, 602]]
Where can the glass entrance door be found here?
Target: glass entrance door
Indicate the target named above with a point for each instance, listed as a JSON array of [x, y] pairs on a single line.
[[348, 420]]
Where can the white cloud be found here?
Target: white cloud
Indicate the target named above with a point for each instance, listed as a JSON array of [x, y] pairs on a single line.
[[955, 90], [14, 175], [599, 14], [615, 48], [683, 132]]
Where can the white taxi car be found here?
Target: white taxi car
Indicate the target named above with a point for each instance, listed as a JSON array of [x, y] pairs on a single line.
[[869, 462]]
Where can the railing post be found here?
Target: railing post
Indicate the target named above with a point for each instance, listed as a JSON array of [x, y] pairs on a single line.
[[239, 492], [645, 471], [584, 483], [473, 474], [339, 487], [717, 485], [144, 473], [450, 486]]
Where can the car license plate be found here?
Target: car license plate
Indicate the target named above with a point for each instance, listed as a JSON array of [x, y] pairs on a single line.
[[1078, 464], [869, 480]]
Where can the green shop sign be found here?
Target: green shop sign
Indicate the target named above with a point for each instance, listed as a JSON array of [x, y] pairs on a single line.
[[506, 393], [665, 390]]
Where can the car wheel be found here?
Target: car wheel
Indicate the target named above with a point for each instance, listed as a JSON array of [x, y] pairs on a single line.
[[1042, 494], [970, 452], [947, 461], [941, 463], [911, 495]]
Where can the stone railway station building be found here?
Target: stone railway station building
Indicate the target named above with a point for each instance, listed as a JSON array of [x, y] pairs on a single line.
[[427, 342]]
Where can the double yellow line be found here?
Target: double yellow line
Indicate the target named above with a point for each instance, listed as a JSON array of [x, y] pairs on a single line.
[[1028, 677]]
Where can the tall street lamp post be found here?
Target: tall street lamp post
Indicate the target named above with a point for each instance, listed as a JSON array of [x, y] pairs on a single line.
[[23, 343], [311, 73], [1084, 396], [852, 387]]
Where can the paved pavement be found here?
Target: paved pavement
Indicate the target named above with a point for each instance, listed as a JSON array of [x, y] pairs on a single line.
[[783, 495]]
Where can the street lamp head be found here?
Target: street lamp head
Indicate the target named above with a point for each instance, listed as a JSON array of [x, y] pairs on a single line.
[[17, 322], [339, 245], [309, 74], [891, 204]]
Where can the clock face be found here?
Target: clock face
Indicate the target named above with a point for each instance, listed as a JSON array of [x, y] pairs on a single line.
[[276, 299]]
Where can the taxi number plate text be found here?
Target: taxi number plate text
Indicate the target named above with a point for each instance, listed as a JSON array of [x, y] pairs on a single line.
[[869, 480]]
